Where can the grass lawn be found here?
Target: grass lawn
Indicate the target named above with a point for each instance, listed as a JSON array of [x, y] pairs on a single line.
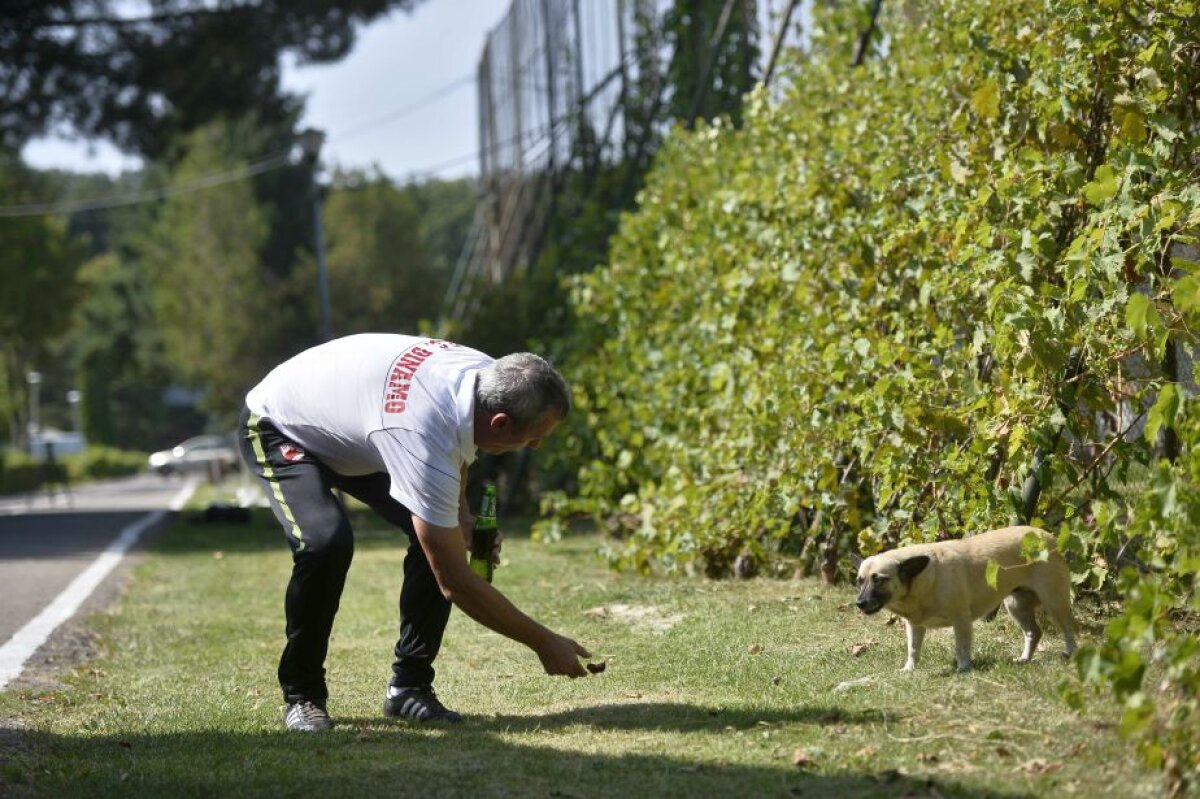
[[748, 688]]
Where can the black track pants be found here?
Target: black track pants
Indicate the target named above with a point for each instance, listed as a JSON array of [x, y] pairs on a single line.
[[301, 492]]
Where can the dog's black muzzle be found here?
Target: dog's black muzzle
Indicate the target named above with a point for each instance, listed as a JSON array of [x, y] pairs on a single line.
[[870, 604]]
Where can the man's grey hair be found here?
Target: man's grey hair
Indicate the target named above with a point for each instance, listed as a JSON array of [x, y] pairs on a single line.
[[525, 386]]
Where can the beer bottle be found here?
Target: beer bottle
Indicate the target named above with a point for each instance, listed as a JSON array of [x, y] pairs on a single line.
[[483, 537]]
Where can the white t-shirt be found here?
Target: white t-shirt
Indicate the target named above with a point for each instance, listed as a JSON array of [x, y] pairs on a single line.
[[380, 402]]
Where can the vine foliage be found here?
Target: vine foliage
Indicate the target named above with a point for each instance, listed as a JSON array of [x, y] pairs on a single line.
[[948, 289]]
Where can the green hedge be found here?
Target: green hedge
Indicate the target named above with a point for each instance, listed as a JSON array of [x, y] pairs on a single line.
[[918, 299], [97, 462], [19, 472]]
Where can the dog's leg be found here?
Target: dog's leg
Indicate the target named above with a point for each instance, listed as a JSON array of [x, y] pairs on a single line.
[[962, 643], [1058, 608], [1022, 606], [916, 635]]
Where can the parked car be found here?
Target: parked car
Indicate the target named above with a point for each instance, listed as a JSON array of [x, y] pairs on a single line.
[[200, 454]]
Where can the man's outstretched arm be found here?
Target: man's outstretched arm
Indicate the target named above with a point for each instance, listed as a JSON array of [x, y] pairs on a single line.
[[446, 551]]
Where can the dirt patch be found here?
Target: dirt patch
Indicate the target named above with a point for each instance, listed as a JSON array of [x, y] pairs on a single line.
[[639, 617]]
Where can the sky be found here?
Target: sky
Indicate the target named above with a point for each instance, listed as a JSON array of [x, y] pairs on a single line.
[[403, 99]]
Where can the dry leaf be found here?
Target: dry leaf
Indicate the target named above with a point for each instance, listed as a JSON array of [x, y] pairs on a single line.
[[800, 759], [755, 649], [1039, 766], [597, 613]]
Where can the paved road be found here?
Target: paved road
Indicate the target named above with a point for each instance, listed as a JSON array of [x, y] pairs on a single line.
[[143, 492], [47, 541]]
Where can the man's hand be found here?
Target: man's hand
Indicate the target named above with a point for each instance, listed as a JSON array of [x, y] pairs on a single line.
[[560, 655]]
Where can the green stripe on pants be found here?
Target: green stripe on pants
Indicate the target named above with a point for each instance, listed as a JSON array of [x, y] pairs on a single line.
[[269, 474]]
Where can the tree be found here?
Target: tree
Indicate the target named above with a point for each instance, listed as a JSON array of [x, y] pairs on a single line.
[[710, 73], [212, 300], [38, 262], [87, 67], [116, 353], [381, 271]]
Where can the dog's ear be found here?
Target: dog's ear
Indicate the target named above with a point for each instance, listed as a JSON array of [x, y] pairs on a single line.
[[911, 567]]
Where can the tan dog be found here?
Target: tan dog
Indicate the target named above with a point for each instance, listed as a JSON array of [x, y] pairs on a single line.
[[945, 585]]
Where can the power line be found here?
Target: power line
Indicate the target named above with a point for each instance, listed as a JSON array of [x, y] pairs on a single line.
[[257, 168], [147, 195], [429, 99]]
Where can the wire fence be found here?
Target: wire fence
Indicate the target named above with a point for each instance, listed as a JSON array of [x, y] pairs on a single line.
[[555, 85]]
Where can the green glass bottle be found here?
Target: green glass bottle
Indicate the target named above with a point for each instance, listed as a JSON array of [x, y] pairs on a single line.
[[483, 537]]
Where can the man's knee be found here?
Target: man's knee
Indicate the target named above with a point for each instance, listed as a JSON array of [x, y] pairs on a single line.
[[332, 543]]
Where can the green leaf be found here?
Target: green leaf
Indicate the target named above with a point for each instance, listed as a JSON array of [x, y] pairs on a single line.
[[1034, 548], [993, 574], [985, 102], [1164, 411], [1140, 314], [1104, 187], [1186, 294]]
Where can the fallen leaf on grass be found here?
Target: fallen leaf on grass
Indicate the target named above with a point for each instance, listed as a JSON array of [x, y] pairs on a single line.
[[755, 649], [849, 685], [596, 613], [859, 648], [1039, 766], [801, 759], [218, 555]]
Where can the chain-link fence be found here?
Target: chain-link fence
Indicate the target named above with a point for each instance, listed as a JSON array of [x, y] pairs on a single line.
[[557, 83]]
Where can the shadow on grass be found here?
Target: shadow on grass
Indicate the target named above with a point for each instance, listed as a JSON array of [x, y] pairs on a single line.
[[675, 718], [397, 759]]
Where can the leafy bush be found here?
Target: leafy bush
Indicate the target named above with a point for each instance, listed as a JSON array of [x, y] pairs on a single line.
[[928, 296], [19, 472], [97, 462]]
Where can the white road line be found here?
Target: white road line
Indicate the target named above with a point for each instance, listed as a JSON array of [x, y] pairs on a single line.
[[25, 641]]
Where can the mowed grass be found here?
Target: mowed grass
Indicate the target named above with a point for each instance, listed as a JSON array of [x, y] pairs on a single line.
[[711, 689]]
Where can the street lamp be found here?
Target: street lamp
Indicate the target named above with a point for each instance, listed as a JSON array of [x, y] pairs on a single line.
[[34, 379], [310, 141]]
